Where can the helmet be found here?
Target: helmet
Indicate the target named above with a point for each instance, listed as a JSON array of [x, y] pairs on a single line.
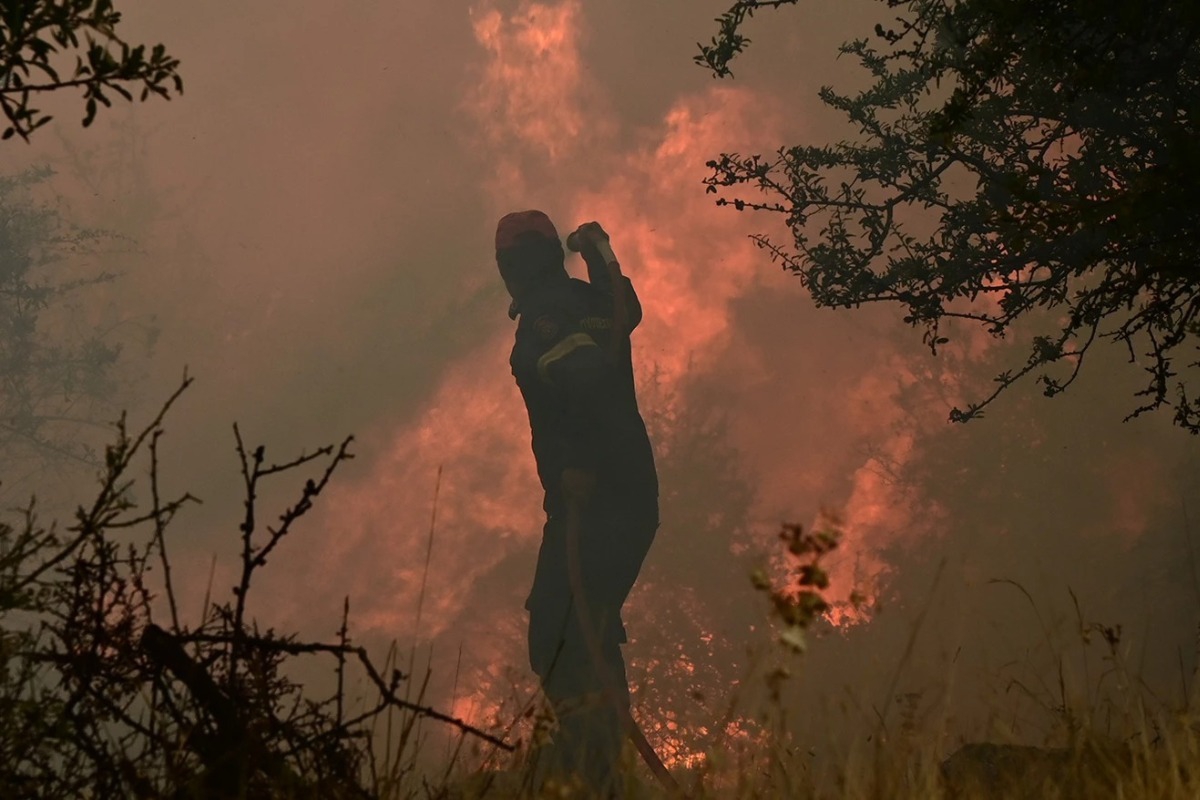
[[521, 226], [528, 252]]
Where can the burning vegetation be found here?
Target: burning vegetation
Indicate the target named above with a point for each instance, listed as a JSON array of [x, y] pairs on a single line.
[[937, 638]]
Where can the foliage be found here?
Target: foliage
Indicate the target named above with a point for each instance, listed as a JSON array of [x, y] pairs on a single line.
[[37, 41], [730, 41], [56, 371], [800, 604], [1075, 123], [106, 692]]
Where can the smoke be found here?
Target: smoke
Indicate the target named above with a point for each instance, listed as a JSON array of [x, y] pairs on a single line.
[[688, 261], [324, 266], [692, 265], [531, 89], [803, 409]]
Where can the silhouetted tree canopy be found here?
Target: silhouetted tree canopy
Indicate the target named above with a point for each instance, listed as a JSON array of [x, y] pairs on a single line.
[[47, 45], [1011, 157], [57, 365]]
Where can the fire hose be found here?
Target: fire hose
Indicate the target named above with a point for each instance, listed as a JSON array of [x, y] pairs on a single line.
[[576, 241]]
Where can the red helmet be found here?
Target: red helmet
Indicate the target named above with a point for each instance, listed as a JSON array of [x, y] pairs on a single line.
[[515, 227]]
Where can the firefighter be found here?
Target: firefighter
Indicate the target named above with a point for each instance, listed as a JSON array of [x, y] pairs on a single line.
[[595, 462]]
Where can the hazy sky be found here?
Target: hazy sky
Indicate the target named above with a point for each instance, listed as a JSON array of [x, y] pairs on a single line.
[[315, 218]]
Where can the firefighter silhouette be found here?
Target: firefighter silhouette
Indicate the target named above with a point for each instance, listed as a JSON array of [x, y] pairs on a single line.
[[573, 365]]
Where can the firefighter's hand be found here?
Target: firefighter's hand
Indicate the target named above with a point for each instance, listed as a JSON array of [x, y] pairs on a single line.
[[585, 238], [592, 232], [578, 485]]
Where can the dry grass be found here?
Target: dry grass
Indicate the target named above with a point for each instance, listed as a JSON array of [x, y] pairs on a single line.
[[1163, 767]]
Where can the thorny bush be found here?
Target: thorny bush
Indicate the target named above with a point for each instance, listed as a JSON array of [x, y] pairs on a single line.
[[106, 692]]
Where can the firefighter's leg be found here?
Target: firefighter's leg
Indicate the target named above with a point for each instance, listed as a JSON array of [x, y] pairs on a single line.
[[618, 539], [599, 725], [591, 731], [582, 671], [587, 743], [549, 600], [558, 655]]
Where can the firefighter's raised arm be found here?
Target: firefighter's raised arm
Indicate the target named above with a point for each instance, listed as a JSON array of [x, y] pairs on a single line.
[[586, 240]]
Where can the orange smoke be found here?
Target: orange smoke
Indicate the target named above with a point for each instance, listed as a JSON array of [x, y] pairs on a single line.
[[691, 263], [530, 89], [487, 499], [690, 259]]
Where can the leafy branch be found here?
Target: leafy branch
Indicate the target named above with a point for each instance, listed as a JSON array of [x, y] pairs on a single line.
[[729, 41], [1074, 124], [37, 41]]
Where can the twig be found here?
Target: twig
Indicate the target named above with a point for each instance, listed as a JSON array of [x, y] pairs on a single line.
[[252, 559], [118, 458], [388, 692], [341, 657], [162, 517], [437, 486]]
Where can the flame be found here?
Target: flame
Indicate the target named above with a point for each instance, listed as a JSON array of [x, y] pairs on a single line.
[[690, 258], [816, 415], [530, 90], [691, 263], [487, 500]]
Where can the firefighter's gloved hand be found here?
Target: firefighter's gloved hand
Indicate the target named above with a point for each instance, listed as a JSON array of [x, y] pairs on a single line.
[[586, 236], [578, 486], [592, 232]]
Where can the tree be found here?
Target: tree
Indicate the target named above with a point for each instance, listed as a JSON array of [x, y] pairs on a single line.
[[1076, 123], [37, 41], [55, 378], [57, 372]]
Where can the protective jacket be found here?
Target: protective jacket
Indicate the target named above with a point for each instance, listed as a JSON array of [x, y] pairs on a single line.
[[578, 388]]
